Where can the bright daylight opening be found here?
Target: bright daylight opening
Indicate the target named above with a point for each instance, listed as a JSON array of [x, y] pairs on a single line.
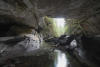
[[60, 25], [60, 22], [60, 29]]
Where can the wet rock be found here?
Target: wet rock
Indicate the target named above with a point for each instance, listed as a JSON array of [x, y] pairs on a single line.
[[62, 40], [88, 51], [22, 17], [18, 46]]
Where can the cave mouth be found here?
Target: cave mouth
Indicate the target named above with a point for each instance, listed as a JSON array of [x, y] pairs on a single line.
[[22, 28], [59, 24]]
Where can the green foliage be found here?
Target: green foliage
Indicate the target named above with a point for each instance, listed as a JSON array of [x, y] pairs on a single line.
[[51, 29], [73, 27], [59, 30], [48, 29]]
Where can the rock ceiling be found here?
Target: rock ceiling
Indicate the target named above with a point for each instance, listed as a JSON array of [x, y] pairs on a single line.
[[29, 11]]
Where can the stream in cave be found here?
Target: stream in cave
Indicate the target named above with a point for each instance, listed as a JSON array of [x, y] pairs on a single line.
[[61, 59], [58, 58], [55, 58]]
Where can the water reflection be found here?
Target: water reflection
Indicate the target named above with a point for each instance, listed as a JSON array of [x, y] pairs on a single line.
[[61, 60]]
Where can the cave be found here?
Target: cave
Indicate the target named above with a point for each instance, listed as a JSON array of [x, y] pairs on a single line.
[[49, 33]]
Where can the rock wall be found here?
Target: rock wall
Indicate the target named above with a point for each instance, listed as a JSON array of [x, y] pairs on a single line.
[[19, 29], [21, 22]]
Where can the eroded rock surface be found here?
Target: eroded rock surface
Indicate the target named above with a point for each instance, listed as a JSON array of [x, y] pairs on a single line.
[[18, 46], [23, 17]]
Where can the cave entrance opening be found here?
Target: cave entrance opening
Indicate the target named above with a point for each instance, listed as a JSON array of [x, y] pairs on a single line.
[[61, 58], [59, 24]]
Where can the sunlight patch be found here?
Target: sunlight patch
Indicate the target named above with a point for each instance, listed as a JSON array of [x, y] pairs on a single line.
[[60, 22], [59, 25]]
